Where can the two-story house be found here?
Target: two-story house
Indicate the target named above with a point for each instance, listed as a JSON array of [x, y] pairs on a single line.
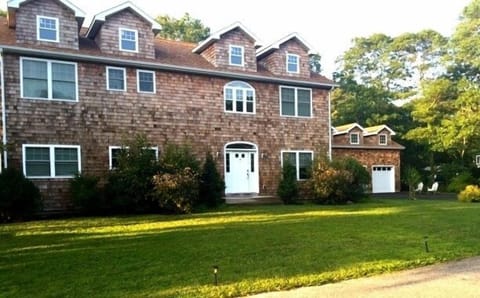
[[71, 94], [374, 148]]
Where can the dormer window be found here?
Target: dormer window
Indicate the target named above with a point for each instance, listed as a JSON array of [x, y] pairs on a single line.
[[292, 63], [47, 29], [128, 40], [236, 55], [354, 138], [382, 139]]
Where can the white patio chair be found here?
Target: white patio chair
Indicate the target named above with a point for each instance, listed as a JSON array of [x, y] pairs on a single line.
[[434, 188], [419, 187]]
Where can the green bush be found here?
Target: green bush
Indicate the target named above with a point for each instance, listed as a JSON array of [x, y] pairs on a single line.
[[288, 187], [175, 157], [459, 182], [471, 193], [212, 186], [129, 186], [412, 178], [338, 182], [86, 194], [19, 197], [177, 192]]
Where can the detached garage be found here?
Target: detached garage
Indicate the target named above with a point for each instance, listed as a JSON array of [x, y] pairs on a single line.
[[374, 148]]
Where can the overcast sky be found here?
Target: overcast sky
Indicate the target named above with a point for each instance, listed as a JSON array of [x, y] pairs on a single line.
[[328, 25]]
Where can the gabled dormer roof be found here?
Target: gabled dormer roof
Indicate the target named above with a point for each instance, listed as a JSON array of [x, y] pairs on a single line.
[[100, 18], [276, 45], [13, 5], [346, 128], [218, 35], [373, 130]]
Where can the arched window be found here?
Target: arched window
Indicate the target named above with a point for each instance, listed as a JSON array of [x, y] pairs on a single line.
[[239, 97]]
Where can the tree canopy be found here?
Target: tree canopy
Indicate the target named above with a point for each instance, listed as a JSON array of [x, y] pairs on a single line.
[[186, 28]]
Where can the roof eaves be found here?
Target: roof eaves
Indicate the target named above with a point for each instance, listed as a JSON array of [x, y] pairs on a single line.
[[15, 4], [276, 45]]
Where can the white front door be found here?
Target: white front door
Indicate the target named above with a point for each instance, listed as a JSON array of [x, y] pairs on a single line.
[[383, 179], [241, 170]]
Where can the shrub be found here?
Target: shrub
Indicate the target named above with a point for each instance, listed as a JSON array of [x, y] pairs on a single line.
[[177, 157], [288, 187], [212, 186], [176, 192], [460, 182], [412, 178], [338, 182], [471, 193], [19, 197], [129, 186], [86, 194]]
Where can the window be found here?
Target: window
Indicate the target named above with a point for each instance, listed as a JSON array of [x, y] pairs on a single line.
[[354, 138], [477, 161], [145, 81], [51, 161], [48, 79], [301, 160], [115, 151], [296, 102], [236, 55], [292, 63], [116, 79], [239, 97], [47, 29], [128, 40], [382, 139]]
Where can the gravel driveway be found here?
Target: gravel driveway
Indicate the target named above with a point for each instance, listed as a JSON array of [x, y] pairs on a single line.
[[453, 279]]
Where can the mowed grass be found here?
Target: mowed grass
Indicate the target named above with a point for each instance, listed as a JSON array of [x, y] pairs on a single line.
[[257, 249]]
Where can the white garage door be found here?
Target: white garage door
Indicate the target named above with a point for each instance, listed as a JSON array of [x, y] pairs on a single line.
[[383, 179]]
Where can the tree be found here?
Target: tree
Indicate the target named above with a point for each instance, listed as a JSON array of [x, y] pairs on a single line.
[[3, 13], [185, 29]]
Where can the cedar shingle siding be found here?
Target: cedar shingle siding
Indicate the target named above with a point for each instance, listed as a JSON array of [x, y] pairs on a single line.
[[188, 106]]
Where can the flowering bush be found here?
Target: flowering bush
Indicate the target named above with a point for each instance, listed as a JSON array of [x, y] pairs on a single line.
[[471, 193]]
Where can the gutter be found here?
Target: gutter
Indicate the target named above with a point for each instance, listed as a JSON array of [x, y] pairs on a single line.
[[4, 164], [160, 66]]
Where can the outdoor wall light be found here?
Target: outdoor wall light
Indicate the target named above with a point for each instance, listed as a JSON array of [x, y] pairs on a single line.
[[215, 273]]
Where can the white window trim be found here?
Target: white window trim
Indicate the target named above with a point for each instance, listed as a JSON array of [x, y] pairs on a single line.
[[235, 99], [124, 78], [49, 79], [298, 63], [230, 55], [477, 160], [120, 40], [52, 159], [297, 159], [296, 101], [154, 81], [358, 138], [380, 139], [111, 148], [57, 34]]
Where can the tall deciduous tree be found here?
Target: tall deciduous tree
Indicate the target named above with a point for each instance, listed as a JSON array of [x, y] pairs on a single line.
[[186, 28]]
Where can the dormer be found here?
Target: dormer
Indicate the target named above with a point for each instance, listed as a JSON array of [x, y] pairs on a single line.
[[380, 135], [233, 47], [288, 56], [51, 23], [124, 30], [349, 134]]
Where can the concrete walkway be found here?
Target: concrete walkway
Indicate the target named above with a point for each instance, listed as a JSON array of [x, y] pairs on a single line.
[[453, 279]]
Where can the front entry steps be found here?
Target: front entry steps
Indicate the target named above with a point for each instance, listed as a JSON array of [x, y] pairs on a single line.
[[251, 199]]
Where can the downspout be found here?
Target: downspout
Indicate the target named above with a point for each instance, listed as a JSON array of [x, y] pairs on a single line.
[[330, 124], [4, 113]]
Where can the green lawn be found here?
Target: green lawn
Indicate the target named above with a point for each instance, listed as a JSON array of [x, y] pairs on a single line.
[[258, 248]]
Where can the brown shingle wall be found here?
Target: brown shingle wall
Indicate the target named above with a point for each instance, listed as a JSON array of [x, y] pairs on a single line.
[[26, 28], [370, 158], [276, 62], [186, 108], [108, 36]]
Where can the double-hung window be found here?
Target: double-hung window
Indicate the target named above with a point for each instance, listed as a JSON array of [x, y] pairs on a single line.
[[382, 139], [239, 97], [48, 79], [47, 29], [114, 153], [51, 161], [293, 62], [295, 101], [301, 160], [145, 81], [116, 79], [236, 55], [128, 40], [355, 138]]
